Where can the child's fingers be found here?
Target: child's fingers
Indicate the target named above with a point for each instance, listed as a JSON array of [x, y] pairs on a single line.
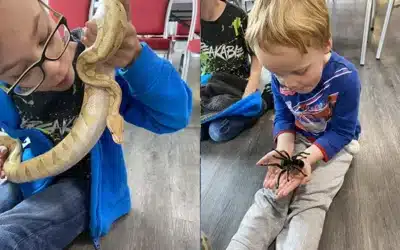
[[121, 58], [3, 151], [3, 155], [270, 181], [266, 179], [284, 183], [90, 33], [266, 159], [271, 177], [306, 179], [288, 187], [91, 26], [89, 38], [1, 169], [263, 161]]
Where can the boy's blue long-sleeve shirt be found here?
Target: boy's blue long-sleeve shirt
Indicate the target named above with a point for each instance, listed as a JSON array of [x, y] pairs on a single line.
[[328, 116], [154, 98], [157, 98]]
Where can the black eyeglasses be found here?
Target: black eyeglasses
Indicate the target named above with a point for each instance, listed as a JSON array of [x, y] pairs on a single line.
[[34, 75]]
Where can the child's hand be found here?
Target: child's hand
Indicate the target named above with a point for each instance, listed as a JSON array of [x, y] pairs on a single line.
[[295, 179], [130, 47], [273, 172], [3, 157]]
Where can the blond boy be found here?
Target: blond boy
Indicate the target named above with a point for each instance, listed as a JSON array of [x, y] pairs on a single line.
[[316, 97]]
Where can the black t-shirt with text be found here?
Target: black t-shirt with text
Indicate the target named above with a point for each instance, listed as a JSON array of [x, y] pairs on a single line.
[[223, 47], [54, 113]]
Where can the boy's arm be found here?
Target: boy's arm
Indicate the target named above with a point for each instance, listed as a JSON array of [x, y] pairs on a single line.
[[158, 99], [284, 122], [256, 67], [343, 122], [255, 75]]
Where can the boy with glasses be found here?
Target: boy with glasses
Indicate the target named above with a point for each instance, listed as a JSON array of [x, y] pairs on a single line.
[[41, 96]]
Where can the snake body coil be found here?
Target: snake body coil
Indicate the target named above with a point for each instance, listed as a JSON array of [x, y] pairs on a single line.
[[100, 108]]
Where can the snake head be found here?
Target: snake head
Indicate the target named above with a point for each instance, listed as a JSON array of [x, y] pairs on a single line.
[[115, 124]]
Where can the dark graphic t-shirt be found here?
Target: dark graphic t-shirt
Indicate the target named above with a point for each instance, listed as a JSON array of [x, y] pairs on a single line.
[[54, 113], [223, 47]]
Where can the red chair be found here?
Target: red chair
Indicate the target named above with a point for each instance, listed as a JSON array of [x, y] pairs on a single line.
[[182, 31], [193, 44], [151, 18], [76, 11]]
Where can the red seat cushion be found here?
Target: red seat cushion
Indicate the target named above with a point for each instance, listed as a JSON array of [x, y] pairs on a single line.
[[148, 17], [156, 43], [194, 46]]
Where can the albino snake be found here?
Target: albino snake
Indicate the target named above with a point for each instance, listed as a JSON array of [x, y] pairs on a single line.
[[100, 108]]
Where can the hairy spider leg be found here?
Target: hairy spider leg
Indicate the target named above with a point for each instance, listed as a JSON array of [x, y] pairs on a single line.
[[279, 177], [299, 169], [286, 154], [298, 157], [274, 165], [301, 154], [279, 158], [282, 155], [287, 176]]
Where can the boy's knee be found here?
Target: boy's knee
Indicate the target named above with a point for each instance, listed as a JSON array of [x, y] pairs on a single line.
[[219, 130]]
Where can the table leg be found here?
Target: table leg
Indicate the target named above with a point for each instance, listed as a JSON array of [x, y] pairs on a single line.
[[384, 28], [367, 21]]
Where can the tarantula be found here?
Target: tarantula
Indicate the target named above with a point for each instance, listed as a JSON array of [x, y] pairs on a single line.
[[288, 163]]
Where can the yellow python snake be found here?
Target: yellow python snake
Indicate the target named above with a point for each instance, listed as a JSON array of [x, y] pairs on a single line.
[[100, 108]]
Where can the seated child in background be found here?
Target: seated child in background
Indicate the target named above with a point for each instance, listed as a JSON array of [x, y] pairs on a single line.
[[316, 95], [50, 213], [224, 49]]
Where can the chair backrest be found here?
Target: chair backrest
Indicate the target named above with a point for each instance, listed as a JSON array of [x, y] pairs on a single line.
[[150, 17], [183, 29], [195, 23], [76, 11]]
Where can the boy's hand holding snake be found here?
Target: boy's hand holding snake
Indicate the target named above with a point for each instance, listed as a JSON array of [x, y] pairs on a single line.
[[3, 157], [130, 47]]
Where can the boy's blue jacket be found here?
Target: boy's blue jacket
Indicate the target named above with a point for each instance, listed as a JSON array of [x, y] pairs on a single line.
[[154, 97], [251, 106]]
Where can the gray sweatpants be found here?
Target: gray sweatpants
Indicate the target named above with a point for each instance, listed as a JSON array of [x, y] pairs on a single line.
[[295, 221]]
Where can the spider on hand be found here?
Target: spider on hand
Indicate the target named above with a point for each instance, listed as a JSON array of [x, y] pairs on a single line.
[[289, 164]]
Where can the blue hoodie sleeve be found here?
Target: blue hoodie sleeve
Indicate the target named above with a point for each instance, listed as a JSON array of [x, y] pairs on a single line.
[[344, 119], [284, 119], [158, 99]]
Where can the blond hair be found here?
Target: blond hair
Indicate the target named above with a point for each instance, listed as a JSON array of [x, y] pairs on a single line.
[[290, 23]]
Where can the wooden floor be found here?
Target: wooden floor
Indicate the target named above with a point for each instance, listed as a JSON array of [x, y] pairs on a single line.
[[164, 177], [364, 214]]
